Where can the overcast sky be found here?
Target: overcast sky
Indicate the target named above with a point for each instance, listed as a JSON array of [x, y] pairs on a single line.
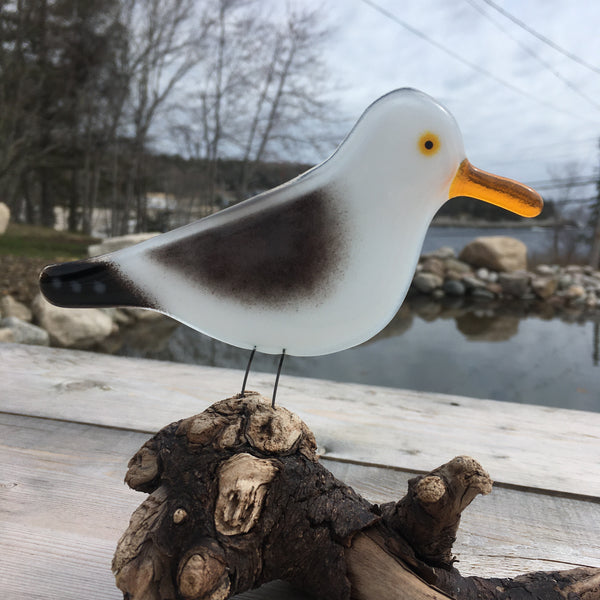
[[528, 128]]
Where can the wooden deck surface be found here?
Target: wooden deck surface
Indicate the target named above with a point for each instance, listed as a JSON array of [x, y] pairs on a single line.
[[70, 421]]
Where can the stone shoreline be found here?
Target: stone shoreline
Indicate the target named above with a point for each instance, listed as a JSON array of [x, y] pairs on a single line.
[[440, 274], [488, 275]]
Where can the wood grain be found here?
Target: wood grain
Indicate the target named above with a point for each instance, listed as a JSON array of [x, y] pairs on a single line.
[[63, 506], [530, 446], [506, 533], [78, 418]]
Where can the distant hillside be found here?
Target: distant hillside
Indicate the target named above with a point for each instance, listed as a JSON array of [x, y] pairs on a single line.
[[183, 179]]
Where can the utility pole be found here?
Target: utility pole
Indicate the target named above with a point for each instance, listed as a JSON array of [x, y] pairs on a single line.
[[595, 221]]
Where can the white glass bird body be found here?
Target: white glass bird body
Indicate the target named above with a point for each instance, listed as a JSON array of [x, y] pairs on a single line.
[[316, 265]]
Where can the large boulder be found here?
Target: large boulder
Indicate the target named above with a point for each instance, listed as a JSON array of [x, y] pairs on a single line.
[[118, 243], [9, 307], [498, 253], [81, 328], [4, 217]]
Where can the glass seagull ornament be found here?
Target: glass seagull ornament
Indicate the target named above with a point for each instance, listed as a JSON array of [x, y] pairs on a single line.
[[316, 265]]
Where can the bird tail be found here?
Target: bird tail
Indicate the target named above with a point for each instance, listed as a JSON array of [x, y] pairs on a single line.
[[89, 283]]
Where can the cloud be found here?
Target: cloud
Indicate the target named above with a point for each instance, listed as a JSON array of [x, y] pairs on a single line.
[[372, 54]]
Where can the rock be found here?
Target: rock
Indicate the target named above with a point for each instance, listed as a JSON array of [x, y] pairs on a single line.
[[144, 314], [495, 288], [482, 293], [433, 265], [455, 275], [457, 266], [472, 283], [514, 284], [574, 292], [4, 217], [573, 269], [6, 335], [483, 274], [438, 294], [25, 333], [565, 281], [119, 316], [591, 283], [498, 253], [80, 328], [454, 288], [147, 335], [9, 307], [427, 282], [577, 302], [546, 270], [117, 243], [544, 287], [442, 253]]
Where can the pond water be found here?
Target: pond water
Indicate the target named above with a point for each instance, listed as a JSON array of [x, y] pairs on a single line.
[[491, 351], [473, 351]]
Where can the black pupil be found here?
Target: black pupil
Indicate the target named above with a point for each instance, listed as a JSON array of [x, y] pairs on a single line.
[[429, 144]]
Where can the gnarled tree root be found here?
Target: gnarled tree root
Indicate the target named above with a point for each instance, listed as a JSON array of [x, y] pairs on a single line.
[[238, 498]]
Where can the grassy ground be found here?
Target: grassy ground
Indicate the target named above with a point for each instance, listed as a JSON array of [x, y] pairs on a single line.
[[41, 242], [26, 249]]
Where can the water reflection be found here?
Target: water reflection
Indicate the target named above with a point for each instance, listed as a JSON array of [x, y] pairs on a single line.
[[518, 352]]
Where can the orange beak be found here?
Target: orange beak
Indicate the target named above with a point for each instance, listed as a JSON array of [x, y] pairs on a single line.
[[506, 193]]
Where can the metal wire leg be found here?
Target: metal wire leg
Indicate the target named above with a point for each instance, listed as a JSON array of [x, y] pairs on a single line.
[[277, 378], [247, 372]]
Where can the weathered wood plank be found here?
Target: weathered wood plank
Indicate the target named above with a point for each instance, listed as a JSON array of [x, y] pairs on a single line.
[[63, 506], [531, 446], [505, 533]]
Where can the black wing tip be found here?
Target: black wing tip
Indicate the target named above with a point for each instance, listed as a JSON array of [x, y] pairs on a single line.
[[88, 284]]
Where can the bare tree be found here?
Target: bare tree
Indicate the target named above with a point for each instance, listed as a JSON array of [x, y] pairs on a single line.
[[15, 92], [83, 84], [570, 214], [57, 74], [260, 93], [292, 85], [165, 45]]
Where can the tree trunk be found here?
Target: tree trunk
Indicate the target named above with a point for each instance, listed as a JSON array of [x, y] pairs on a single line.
[[595, 251], [238, 498], [73, 220], [46, 199]]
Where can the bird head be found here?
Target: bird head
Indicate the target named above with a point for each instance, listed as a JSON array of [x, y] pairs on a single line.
[[415, 144]]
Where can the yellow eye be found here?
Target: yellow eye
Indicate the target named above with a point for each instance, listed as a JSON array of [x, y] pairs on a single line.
[[429, 143]]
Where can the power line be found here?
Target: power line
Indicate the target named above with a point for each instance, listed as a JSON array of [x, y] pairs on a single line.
[[552, 151], [572, 201], [542, 38], [529, 51], [468, 63], [563, 183]]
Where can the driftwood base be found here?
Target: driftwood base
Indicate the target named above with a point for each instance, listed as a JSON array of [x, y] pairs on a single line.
[[238, 498]]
